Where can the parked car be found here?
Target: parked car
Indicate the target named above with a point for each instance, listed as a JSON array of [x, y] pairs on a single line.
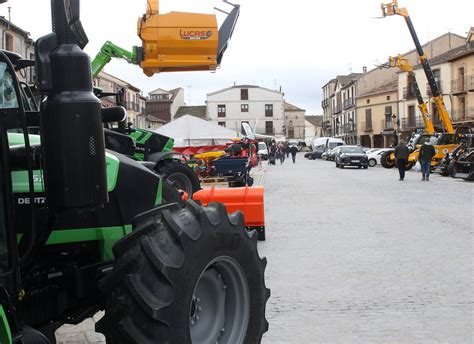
[[295, 143], [374, 155], [330, 154], [350, 156], [371, 150], [262, 151], [314, 155]]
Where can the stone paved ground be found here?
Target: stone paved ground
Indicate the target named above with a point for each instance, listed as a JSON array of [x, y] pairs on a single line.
[[355, 256]]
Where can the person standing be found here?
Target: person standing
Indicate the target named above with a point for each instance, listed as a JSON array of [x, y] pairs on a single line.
[[293, 151], [287, 149], [401, 157], [280, 154], [427, 152]]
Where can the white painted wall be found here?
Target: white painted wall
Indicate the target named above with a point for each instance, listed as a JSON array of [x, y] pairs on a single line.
[[177, 103], [258, 98]]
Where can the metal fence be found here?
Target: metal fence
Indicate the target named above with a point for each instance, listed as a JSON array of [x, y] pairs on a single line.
[[386, 125], [366, 126], [412, 123], [348, 103]]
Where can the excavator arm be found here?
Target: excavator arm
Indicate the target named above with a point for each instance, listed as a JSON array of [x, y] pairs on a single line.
[[404, 65], [109, 51], [392, 8]]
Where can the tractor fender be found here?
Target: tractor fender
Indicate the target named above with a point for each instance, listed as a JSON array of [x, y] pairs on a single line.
[[157, 157]]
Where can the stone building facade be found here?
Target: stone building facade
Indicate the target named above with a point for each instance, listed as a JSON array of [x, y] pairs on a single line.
[[294, 122]]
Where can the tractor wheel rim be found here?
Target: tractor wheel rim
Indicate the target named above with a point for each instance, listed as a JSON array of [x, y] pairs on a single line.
[[220, 307], [181, 182]]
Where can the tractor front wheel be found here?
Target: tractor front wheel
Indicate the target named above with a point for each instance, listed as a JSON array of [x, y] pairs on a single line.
[[386, 161], [181, 176], [187, 274]]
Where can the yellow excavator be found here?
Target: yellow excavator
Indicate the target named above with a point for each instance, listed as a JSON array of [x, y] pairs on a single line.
[[446, 143], [388, 158]]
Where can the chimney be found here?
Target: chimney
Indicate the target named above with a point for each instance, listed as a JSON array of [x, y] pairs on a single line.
[[364, 69]]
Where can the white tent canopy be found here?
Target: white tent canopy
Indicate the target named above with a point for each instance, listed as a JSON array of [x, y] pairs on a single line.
[[190, 131]]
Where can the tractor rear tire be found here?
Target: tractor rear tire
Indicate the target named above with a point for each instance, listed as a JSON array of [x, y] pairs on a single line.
[[385, 160], [451, 169], [187, 274], [179, 175], [444, 169]]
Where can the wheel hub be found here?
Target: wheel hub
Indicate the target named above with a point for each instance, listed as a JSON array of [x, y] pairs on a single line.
[[181, 182], [219, 309]]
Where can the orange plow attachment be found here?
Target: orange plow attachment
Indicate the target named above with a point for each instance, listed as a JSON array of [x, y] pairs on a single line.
[[248, 200]]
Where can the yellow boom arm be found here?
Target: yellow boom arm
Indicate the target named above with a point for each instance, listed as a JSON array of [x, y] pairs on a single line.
[[390, 9], [403, 64]]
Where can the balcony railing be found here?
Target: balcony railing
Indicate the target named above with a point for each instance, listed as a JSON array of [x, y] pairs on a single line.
[[337, 109], [408, 93], [366, 126], [428, 88], [469, 79], [466, 115], [269, 131], [133, 106], [348, 103], [458, 86], [412, 123], [325, 103], [386, 124], [348, 127]]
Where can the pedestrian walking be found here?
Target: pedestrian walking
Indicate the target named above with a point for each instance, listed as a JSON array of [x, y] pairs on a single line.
[[293, 151], [401, 157], [287, 150], [272, 154], [280, 154], [427, 152]]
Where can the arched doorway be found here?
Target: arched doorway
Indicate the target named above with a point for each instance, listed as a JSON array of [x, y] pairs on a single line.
[[365, 141], [378, 141]]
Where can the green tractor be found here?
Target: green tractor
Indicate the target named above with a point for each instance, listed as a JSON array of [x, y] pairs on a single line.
[[84, 229], [145, 145]]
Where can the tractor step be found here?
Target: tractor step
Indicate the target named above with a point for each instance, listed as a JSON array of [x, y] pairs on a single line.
[[214, 180]]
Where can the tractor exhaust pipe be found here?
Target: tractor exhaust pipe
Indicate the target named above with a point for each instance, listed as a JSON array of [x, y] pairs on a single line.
[[71, 122]]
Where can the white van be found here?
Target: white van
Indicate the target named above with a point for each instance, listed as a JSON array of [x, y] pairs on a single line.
[[328, 142], [262, 151]]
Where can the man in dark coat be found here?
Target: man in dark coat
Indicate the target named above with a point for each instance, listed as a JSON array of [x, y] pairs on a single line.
[[427, 152], [401, 157], [293, 151]]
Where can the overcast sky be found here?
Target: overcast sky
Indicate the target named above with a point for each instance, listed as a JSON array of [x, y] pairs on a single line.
[[298, 44]]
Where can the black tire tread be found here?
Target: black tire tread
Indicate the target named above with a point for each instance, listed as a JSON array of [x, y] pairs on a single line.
[[160, 255], [169, 166], [384, 160]]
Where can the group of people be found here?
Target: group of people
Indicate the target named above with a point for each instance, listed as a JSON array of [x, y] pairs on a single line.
[[280, 151], [427, 152]]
